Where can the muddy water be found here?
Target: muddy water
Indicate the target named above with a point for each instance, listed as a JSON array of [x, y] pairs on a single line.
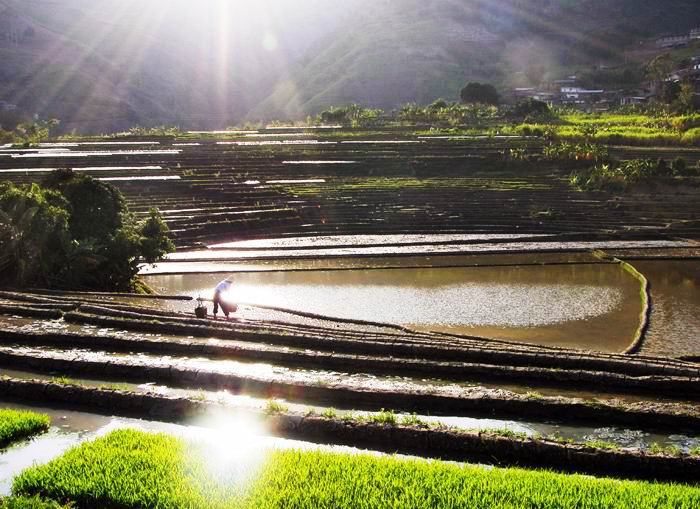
[[585, 306], [675, 319]]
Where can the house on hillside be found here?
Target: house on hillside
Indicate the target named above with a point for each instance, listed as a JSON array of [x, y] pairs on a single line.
[[675, 41], [695, 33], [579, 96]]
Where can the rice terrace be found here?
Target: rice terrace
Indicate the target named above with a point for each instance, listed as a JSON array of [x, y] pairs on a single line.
[[259, 262]]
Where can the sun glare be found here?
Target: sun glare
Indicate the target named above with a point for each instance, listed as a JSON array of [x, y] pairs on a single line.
[[234, 445]]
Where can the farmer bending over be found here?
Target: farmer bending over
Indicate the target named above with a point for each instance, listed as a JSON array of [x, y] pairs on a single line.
[[220, 298]]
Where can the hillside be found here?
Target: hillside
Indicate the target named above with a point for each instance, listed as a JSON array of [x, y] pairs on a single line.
[[105, 65], [418, 51]]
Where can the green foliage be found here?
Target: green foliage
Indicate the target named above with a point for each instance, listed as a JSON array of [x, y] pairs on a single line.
[[330, 413], [97, 209], [600, 444], [671, 450], [506, 433], [566, 151], [531, 108], [33, 233], [480, 93], [412, 420], [351, 115], [441, 112], [617, 176], [385, 417], [160, 131], [76, 232], [16, 425], [273, 408], [140, 470], [33, 133]]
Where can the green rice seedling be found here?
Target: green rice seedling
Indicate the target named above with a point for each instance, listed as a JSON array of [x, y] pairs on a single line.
[[329, 413], [140, 470], [348, 418], [412, 420], [16, 425], [506, 433], [385, 417], [115, 387], [534, 395], [694, 451], [274, 407], [30, 503], [600, 444]]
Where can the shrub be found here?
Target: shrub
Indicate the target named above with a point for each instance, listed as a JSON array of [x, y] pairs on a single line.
[[565, 151], [617, 176], [679, 166], [480, 93], [531, 108]]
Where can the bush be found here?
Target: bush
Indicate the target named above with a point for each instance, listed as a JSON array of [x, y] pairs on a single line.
[[32, 133], [565, 151], [480, 93], [351, 115], [531, 108], [620, 175], [679, 166], [75, 233]]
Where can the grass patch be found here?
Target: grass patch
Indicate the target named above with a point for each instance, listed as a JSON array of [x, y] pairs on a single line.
[[130, 469], [16, 425]]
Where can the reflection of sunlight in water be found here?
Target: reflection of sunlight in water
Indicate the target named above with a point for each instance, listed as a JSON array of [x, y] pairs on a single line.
[[514, 305], [234, 447]]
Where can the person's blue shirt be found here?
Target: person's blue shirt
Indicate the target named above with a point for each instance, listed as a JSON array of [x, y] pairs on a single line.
[[223, 286]]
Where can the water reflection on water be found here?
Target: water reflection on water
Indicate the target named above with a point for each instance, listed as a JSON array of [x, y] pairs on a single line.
[[675, 319], [586, 306]]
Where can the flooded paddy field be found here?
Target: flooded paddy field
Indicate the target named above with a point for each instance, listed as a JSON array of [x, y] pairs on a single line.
[[587, 306], [561, 299]]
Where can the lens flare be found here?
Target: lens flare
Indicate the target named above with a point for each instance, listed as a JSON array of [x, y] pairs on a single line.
[[234, 447]]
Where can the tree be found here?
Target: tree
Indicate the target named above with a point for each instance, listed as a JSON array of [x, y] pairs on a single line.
[[480, 93], [35, 226], [77, 233], [686, 98], [531, 108], [97, 208], [35, 132], [660, 67]]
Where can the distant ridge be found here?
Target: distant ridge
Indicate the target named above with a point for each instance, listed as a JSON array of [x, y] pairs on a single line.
[[105, 65]]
